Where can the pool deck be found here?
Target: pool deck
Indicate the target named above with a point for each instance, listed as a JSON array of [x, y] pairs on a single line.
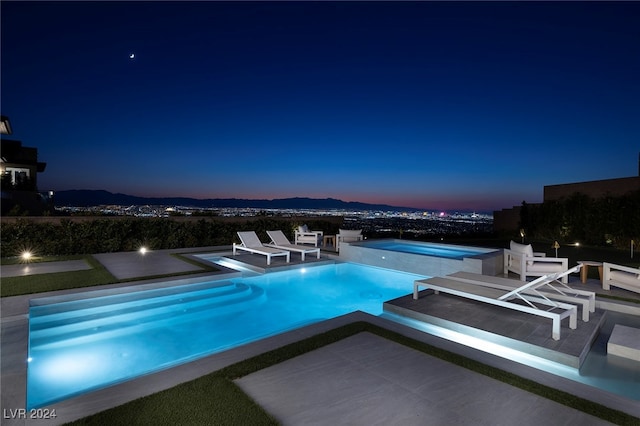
[[364, 379]]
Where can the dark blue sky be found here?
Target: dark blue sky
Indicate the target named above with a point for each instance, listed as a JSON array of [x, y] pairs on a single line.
[[434, 105]]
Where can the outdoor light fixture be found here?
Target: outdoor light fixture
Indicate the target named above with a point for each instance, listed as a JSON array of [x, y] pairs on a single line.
[[143, 250], [26, 256], [522, 234], [556, 246], [5, 126]]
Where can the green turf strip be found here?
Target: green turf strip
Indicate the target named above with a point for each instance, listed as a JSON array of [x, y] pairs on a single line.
[[96, 276]]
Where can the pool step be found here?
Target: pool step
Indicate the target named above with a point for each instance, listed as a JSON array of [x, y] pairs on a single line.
[[85, 310], [116, 299], [116, 322]]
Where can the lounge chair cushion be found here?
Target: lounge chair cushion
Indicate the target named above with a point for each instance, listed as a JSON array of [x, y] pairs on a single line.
[[625, 277], [526, 250], [545, 267]]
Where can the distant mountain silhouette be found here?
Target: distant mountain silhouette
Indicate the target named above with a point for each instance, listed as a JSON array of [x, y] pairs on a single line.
[[87, 198]]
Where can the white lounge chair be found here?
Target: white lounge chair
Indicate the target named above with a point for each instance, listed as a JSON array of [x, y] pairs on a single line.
[[502, 298], [555, 290], [303, 235], [348, 236], [620, 276], [252, 244], [279, 240], [520, 259]]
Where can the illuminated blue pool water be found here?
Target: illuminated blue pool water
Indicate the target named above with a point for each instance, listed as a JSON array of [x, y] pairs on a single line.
[[426, 249], [79, 346]]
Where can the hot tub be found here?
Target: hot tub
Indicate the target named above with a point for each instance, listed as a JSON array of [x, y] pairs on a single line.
[[431, 259]]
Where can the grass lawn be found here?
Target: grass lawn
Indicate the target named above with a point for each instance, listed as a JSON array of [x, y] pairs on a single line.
[[96, 276]]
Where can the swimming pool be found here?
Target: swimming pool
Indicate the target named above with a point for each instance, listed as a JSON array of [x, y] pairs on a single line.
[[76, 346], [426, 249], [432, 259]]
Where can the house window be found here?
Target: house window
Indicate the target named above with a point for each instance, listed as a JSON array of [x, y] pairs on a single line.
[[17, 178], [18, 175]]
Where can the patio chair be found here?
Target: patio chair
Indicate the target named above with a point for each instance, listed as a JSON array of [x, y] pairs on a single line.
[[348, 236], [620, 276], [279, 240], [303, 235], [520, 259], [503, 298], [252, 244], [554, 290]]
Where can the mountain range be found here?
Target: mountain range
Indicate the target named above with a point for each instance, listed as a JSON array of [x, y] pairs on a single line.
[[87, 198]]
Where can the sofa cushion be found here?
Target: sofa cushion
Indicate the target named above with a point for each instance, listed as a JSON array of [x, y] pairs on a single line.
[[625, 277], [525, 249], [545, 267]]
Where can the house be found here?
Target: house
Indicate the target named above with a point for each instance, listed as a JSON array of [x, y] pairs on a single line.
[[19, 168], [509, 219]]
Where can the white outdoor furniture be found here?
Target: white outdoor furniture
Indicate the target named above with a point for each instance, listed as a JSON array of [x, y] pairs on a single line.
[[303, 235], [554, 290], [252, 244], [502, 298], [621, 276], [520, 259], [279, 240], [348, 236]]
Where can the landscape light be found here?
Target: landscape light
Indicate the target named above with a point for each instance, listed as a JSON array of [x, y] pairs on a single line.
[[26, 255], [5, 126], [143, 250]]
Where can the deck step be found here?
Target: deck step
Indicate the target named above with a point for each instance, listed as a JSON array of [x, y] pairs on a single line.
[[624, 342]]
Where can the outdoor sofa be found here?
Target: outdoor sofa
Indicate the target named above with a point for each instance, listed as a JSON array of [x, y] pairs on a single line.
[[521, 259], [620, 276], [303, 235], [348, 236]]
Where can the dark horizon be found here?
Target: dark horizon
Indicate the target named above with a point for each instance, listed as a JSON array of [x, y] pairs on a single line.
[[88, 198]]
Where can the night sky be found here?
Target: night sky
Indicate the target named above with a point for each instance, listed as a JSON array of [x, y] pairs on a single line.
[[433, 105]]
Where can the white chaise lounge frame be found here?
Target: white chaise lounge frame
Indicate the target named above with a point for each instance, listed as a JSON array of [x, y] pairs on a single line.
[[555, 290], [501, 298], [252, 244], [279, 240]]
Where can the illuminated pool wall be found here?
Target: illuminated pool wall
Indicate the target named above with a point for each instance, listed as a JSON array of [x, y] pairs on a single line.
[[488, 263]]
